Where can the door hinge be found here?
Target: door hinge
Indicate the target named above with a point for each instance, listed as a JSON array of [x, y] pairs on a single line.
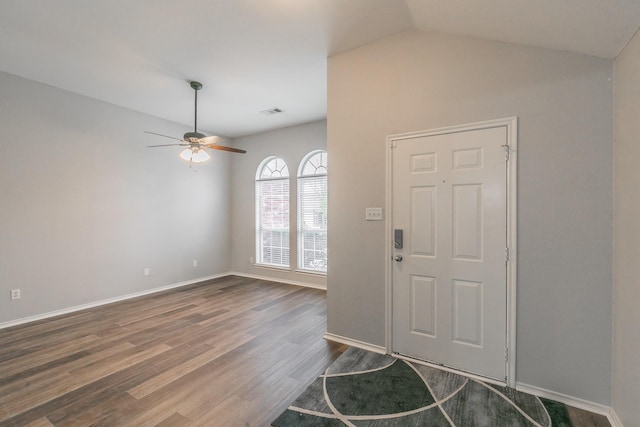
[[507, 152], [506, 354], [506, 255]]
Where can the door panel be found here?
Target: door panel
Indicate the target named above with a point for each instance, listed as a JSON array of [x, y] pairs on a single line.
[[467, 312], [423, 221], [423, 295], [449, 291], [467, 221]]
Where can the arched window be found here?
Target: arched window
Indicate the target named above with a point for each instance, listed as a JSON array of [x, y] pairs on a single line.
[[312, 212], [272, 213]]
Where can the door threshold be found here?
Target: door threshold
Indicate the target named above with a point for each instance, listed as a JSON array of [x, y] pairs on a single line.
[[445, 368]]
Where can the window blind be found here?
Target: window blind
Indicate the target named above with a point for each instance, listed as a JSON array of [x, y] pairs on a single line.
[[312, 223], [272, 222]]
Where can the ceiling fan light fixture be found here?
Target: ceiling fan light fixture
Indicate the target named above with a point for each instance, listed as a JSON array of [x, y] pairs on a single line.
[[186, 154], [199, 156]]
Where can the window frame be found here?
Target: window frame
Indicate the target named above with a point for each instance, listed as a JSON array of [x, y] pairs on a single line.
[[301, 230], [285, 230]]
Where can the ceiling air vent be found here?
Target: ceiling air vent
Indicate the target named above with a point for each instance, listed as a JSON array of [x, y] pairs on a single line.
[[272, 111]]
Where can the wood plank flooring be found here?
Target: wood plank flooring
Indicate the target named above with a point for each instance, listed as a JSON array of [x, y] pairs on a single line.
[[227, 352]]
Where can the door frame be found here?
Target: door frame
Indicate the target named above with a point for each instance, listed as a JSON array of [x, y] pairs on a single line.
[[511, 125]]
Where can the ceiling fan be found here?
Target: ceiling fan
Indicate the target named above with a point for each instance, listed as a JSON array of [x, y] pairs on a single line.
[[195, 141]]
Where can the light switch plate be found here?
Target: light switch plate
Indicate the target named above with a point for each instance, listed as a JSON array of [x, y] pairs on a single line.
[[373, 214]]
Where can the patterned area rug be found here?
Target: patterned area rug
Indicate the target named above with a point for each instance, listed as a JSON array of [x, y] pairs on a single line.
[[365, 389]]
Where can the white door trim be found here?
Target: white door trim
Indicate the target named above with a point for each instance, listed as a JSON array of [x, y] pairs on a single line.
[[511, 125]]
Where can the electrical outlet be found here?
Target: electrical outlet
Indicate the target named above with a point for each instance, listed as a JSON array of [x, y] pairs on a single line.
[[195, 262], [15, 293], [147, 271]]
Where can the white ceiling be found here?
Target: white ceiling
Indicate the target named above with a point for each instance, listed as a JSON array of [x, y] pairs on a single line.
[[252, 55]]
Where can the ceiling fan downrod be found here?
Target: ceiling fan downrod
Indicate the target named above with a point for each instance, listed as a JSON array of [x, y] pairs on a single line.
[[196, 86]]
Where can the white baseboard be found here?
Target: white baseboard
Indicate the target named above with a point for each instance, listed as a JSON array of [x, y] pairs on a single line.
[[355, 343], [107, 301], [279, 280], [576, 402], [613, 418]]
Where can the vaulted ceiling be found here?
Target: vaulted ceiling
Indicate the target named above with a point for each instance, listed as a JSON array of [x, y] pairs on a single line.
[[252, 55]]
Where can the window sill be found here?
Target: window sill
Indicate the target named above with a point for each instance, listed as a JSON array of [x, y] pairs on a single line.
[[312, 272], [287, 269], [271, 267]]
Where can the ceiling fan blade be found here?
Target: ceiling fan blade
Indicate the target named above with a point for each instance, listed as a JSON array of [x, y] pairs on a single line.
[[223, 148], [165, 136], [209, 140], [167, 145]]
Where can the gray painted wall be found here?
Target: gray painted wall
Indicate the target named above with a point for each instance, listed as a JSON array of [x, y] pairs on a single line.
[[85, 206], [291, 144], [626, 291], [564, 103]]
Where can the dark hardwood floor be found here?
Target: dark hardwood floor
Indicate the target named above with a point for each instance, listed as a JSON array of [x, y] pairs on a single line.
[[228, 352]]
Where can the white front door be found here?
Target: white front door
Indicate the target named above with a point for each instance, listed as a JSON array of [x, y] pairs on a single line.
[[449, 280]]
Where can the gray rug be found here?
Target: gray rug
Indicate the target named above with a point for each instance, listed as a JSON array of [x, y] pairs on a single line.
[[365, 389]]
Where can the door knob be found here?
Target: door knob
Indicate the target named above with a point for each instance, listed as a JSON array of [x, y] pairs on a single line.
[[397, 258]]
